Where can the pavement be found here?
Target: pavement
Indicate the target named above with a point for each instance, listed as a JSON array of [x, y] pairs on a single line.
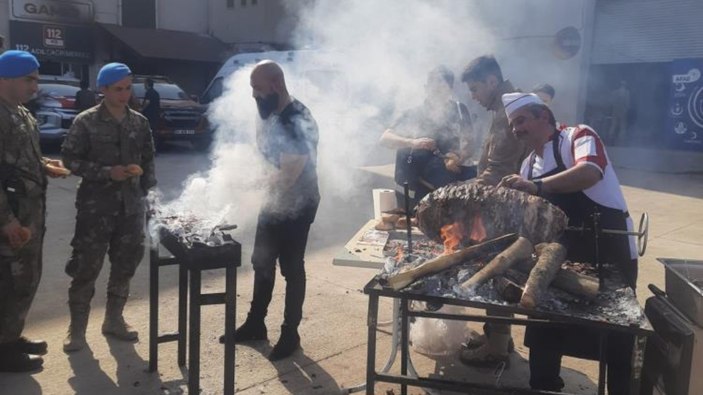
[[333, 332]]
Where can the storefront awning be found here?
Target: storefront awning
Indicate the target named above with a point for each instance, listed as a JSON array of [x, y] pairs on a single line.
[[168, 44]]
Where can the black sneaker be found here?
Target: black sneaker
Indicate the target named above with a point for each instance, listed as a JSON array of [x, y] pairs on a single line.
[[35, 347], [286, 346], [19, 362], [249, 331]]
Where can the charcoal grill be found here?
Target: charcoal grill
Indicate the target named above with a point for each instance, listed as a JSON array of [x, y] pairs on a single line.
[[192, 253]]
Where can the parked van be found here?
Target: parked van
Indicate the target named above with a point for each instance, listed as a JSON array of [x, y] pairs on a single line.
[[314, 66]]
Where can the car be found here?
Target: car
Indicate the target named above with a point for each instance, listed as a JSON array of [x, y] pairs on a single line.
[[180, 118], [54, 107]]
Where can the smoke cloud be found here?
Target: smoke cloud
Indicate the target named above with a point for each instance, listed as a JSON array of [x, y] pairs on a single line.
[[369, 66]]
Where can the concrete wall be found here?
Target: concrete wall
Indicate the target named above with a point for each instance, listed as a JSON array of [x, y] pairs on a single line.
[[526, 54], [182, 15], [107, 11], [268, 21]]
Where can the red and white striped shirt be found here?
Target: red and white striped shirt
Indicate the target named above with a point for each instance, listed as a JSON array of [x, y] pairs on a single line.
[[581, 144]]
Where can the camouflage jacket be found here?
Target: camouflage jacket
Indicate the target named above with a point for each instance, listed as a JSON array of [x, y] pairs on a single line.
[[95, 143], [502, 153], [22, 172]]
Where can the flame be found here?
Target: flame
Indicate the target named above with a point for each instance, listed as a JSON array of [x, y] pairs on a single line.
[[451, 236], [399, 254], [478, 231]]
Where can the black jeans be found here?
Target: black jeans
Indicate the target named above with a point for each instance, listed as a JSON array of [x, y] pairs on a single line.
[[283, 240], [547, 345]]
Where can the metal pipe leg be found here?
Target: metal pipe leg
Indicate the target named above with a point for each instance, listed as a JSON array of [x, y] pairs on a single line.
[[372, 323], [404, 346], [194, 349], [602, 355], [153, 305], [182, 313], [230, 316]]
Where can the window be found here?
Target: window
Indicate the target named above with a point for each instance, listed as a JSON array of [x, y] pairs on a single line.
[[230, 3]]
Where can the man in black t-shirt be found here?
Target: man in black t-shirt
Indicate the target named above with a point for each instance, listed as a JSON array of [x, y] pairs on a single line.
[[85, 98], [433, 140], [287, 138], [151, 104]]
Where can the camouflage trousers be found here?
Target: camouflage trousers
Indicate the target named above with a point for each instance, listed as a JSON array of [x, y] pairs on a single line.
[[121, 237], [20, 272]]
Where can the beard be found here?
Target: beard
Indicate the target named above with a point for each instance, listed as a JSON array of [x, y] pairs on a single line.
[[267, 105]]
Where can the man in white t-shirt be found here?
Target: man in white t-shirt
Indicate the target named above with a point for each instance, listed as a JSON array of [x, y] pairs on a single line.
[[570, 168]]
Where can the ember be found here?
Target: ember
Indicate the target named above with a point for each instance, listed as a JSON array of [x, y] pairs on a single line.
[[478, 231]]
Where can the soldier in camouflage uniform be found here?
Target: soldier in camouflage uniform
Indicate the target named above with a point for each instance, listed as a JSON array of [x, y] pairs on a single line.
[[111, 147], [23, 173]]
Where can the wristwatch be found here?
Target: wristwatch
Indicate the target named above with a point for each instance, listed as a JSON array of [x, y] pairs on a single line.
[[538, 184]]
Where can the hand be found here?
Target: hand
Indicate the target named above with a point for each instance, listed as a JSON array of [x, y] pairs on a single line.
[[516, 182], [135, 170], [119, 173], [452, 163], [424, 143], [55, 168], [16, 234]]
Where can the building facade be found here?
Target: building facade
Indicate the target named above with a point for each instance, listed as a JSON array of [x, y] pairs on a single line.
[[75, 38]]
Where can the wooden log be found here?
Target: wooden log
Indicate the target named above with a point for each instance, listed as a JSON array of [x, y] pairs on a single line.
[[549, 260], [574, 283], [510, 291], [436, 265], [519, 250]]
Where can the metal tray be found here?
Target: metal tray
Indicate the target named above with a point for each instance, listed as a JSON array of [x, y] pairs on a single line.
[[683, 293]]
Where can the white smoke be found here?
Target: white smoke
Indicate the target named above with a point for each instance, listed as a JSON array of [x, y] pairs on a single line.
[[373, 66]]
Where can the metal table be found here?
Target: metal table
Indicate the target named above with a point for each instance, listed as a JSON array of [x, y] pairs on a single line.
[[190, 271], [375, 290]]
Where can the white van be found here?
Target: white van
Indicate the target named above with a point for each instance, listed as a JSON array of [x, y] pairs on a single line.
[[314, 65]]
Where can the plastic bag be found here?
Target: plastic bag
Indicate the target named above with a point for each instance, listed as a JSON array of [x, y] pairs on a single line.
[[435, 337]]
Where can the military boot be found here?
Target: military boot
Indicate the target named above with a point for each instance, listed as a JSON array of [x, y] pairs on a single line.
[[75, 339], [14, 361], [252, 329], [287, 343], [114, 324], [493, 352]]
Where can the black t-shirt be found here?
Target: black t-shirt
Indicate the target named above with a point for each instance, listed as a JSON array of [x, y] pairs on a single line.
[[445, 124], [85, 99], [293, 131], [151, 111]]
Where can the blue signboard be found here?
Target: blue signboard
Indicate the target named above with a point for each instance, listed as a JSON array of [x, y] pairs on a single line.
[[685, 125]]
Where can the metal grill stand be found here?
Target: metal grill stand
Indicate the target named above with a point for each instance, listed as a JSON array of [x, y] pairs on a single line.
[[191, 267]]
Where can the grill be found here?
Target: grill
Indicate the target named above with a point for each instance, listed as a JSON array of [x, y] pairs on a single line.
[[214, 250], [195, 246], [674, 355]]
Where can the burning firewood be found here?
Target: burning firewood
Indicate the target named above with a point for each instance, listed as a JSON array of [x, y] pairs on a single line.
[[519, 250], [549, 259], [572, 282], [402, 280], [510, 291]]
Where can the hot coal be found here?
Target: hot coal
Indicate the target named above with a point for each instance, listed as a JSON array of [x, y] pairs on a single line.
[[616, 303]]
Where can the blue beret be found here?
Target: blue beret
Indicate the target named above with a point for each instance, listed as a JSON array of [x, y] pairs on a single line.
[[15, 64], [112, 72]]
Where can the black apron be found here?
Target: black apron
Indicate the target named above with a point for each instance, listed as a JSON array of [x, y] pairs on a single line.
[[612, 249]]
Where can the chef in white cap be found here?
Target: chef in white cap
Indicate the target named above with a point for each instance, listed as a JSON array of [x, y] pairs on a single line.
[[571, 169]]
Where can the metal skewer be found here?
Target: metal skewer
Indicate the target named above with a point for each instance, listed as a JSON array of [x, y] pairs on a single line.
[[406, 192]]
